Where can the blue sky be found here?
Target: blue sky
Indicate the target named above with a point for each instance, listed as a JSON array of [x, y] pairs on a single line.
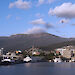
[[34, 16]]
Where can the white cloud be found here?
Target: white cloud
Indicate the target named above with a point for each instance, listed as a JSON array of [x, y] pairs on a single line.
[[20, 4], [66, 10], [42, 22], [38, 21], [40, 2], [35, 30], [64, 21]]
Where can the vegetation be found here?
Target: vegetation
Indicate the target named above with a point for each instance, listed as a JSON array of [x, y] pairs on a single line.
[[24, 53], [49, 56]]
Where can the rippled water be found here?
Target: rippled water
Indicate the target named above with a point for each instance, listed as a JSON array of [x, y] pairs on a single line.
[[44, 68]]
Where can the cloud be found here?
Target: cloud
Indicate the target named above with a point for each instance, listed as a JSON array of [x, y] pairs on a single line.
[[66, 10], [48, 26], [42, 22], [64, 21], [20, 4], [9, 16], [40, 2], [35, 30], [38, 21], [73, 24]]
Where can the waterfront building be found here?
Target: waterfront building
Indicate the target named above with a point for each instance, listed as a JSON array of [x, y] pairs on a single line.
[[12, 55], [67, 51], [60, 50], [18, 52]]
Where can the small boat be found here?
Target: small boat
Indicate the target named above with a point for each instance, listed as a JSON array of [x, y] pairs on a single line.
[[6, 61], [57, 60], [27, 59]]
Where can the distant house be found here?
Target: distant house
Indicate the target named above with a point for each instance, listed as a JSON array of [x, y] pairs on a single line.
[[18, 51], [12, 55], [67, 51], [60, 50], [34, 51]]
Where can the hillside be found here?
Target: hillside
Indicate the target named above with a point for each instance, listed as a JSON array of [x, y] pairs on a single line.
[[25, 41]]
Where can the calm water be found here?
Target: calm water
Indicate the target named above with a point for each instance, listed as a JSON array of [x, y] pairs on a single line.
[[39, 69]]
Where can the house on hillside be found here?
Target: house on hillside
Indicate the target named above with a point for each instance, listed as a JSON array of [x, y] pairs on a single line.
[[67, 51]]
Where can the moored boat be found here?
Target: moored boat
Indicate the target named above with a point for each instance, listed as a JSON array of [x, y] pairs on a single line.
[[6, 61], [57, 60], [27, 59]]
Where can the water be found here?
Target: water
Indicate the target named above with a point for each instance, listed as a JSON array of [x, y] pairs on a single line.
[[44, 68]]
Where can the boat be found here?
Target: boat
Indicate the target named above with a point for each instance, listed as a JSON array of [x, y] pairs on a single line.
[[57, 60], [27, 59], [6, 61]]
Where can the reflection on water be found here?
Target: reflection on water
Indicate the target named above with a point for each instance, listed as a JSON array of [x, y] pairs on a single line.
[[39, 69], [27, 64]]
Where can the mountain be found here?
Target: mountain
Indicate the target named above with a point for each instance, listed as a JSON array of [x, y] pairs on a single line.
[[25, 41]]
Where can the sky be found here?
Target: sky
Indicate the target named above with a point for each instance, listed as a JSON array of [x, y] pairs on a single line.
[[35, 16]]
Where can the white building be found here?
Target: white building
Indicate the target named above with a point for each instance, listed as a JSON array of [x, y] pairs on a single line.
[[61, 50], [67, 51]]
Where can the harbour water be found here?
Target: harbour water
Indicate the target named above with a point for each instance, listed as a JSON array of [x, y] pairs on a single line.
[[43, 68]]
